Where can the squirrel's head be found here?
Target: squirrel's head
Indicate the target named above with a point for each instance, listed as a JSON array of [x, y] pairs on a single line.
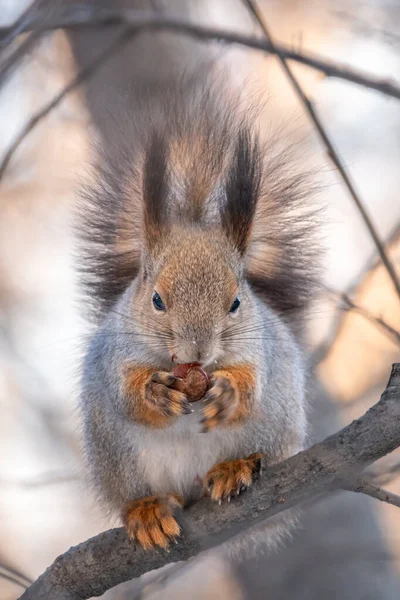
[[191, 289], [193, 213]]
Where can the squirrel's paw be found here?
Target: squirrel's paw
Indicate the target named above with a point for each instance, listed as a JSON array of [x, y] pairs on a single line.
[[162, 397], [150, 520], [230, 478], [220, 402]]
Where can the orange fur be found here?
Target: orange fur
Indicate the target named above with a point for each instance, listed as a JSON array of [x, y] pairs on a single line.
[[150, 520], [145, 394], [230, 399], [230, 477]]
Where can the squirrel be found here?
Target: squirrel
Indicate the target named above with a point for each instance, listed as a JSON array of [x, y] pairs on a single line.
[[196, 245]]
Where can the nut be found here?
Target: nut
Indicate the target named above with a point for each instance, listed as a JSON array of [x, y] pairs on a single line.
[[193, 380]]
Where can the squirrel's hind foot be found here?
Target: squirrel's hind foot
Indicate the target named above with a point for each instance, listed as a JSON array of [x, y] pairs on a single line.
[[230, 478], [150, 520]]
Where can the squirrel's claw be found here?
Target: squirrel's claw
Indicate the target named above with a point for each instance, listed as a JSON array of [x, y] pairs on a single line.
[[162, 397], [150, 520], [230, 478], [220, 402]]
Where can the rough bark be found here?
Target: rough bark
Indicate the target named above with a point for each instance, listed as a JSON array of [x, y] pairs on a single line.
[[111, 558]]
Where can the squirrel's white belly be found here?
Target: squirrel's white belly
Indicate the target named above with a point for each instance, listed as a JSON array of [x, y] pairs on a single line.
[[177, 460]]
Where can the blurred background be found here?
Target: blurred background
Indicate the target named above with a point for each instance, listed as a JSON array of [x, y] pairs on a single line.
[[348, 546]]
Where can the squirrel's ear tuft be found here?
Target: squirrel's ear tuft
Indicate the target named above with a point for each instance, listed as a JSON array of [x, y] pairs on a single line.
[[155, 190], [242, 190]]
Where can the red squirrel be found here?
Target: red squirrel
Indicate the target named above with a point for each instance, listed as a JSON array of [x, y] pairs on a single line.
[[197, 243]]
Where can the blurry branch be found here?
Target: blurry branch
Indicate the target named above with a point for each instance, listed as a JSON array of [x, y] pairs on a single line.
[[43, 480], [14, 576], [111, 558], [364, 487], [82, 76], [332, 153], [16, 57], [135, 21], [81, 15], [11, 61], [367, 29], [22, 23], [348, 304]]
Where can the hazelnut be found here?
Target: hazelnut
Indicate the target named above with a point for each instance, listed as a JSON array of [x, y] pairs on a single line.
[[193, 380]]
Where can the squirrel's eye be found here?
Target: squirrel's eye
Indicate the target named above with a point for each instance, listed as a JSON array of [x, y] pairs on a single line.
[[157, 302], [235, 305]]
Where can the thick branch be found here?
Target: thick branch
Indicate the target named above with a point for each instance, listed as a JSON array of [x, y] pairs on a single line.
[[91, 16], [110, 558]]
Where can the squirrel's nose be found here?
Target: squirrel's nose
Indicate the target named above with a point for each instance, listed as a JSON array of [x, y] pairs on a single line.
[[199, 351], [193, 349], [202, 350]]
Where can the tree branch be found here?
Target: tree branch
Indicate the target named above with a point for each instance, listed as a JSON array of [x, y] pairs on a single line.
[[111, 558], [331, 151], [22, 23], [82, 76], [14, 576], [16, 57], [91, 16], [367, 488], [378, 321]]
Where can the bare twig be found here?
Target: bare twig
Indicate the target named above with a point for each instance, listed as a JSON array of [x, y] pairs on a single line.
[[381, 323], [12, 579], [332, 153], [30, 41], [367, 28], [111, 558], [21, 24], [365, 487], [69, 17], [14, 576], [82, 76], [18, 55], [137, 20], [25, 46]]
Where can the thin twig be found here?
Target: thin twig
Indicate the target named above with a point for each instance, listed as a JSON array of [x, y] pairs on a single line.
[[43, 480], [367, 488], [21, 24], [12, 579], [350, 305], [139, 21], [18, 55], [91, 16], [111, 558], [367, 29], [15, 576], [332, 153], [82, 76], [30, 41]]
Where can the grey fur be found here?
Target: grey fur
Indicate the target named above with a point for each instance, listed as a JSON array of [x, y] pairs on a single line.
[[127, 460]]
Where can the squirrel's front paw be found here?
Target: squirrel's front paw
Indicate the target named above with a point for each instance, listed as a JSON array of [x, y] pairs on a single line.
[[162, 397], [150, 520], [220, 402], [232, 477]]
